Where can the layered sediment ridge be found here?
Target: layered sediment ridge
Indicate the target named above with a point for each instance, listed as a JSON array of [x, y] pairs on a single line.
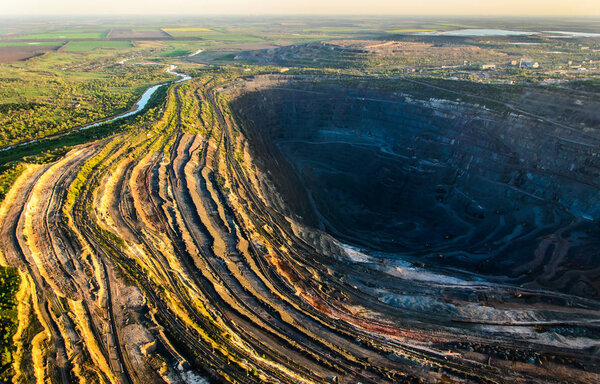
[[433, 181]]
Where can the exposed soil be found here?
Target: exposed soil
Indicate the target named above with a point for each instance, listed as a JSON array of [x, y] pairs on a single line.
[[20, 53]]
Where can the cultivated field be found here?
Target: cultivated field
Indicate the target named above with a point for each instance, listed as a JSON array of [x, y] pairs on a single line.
[[23, 52]]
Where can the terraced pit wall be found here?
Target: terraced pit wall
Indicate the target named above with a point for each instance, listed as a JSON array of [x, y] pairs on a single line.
[[440, 182]]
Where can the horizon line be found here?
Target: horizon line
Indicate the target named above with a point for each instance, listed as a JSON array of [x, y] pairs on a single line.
[[387, 15]]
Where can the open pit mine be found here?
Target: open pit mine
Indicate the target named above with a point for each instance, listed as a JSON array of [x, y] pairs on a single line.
[[290, 229]]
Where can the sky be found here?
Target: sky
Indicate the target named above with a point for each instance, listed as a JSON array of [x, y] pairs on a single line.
[[355, 7]]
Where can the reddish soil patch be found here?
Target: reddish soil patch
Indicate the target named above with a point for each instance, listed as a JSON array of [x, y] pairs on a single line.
[[8, 54]]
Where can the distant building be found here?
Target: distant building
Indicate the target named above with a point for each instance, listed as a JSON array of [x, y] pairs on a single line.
[[514, 63], [487, 67]]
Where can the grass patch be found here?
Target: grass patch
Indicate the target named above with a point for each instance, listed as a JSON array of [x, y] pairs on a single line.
[[9, 286], [230, 57], [230, 37], [45, 96], [43, 147], [185, 29], [176, 52], [8, 177], [26, 44], [221, 36], [78, 46], [63, 35]]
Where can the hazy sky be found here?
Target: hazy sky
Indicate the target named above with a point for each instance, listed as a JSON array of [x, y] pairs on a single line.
[[437, 7]]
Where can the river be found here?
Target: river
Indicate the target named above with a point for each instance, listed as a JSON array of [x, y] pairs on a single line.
[[137, 108], [143, 100]]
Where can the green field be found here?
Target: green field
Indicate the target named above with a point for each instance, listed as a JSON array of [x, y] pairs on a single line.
[[176, 53], [63, 35], [39, 96], [25, 44], [186, 29], [78, 46], [221, 36], [9, 285]]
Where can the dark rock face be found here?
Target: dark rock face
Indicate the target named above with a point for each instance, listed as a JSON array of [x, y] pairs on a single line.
[[435, 181]]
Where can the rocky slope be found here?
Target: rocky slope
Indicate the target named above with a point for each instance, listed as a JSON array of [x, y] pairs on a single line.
[[434, 181]]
